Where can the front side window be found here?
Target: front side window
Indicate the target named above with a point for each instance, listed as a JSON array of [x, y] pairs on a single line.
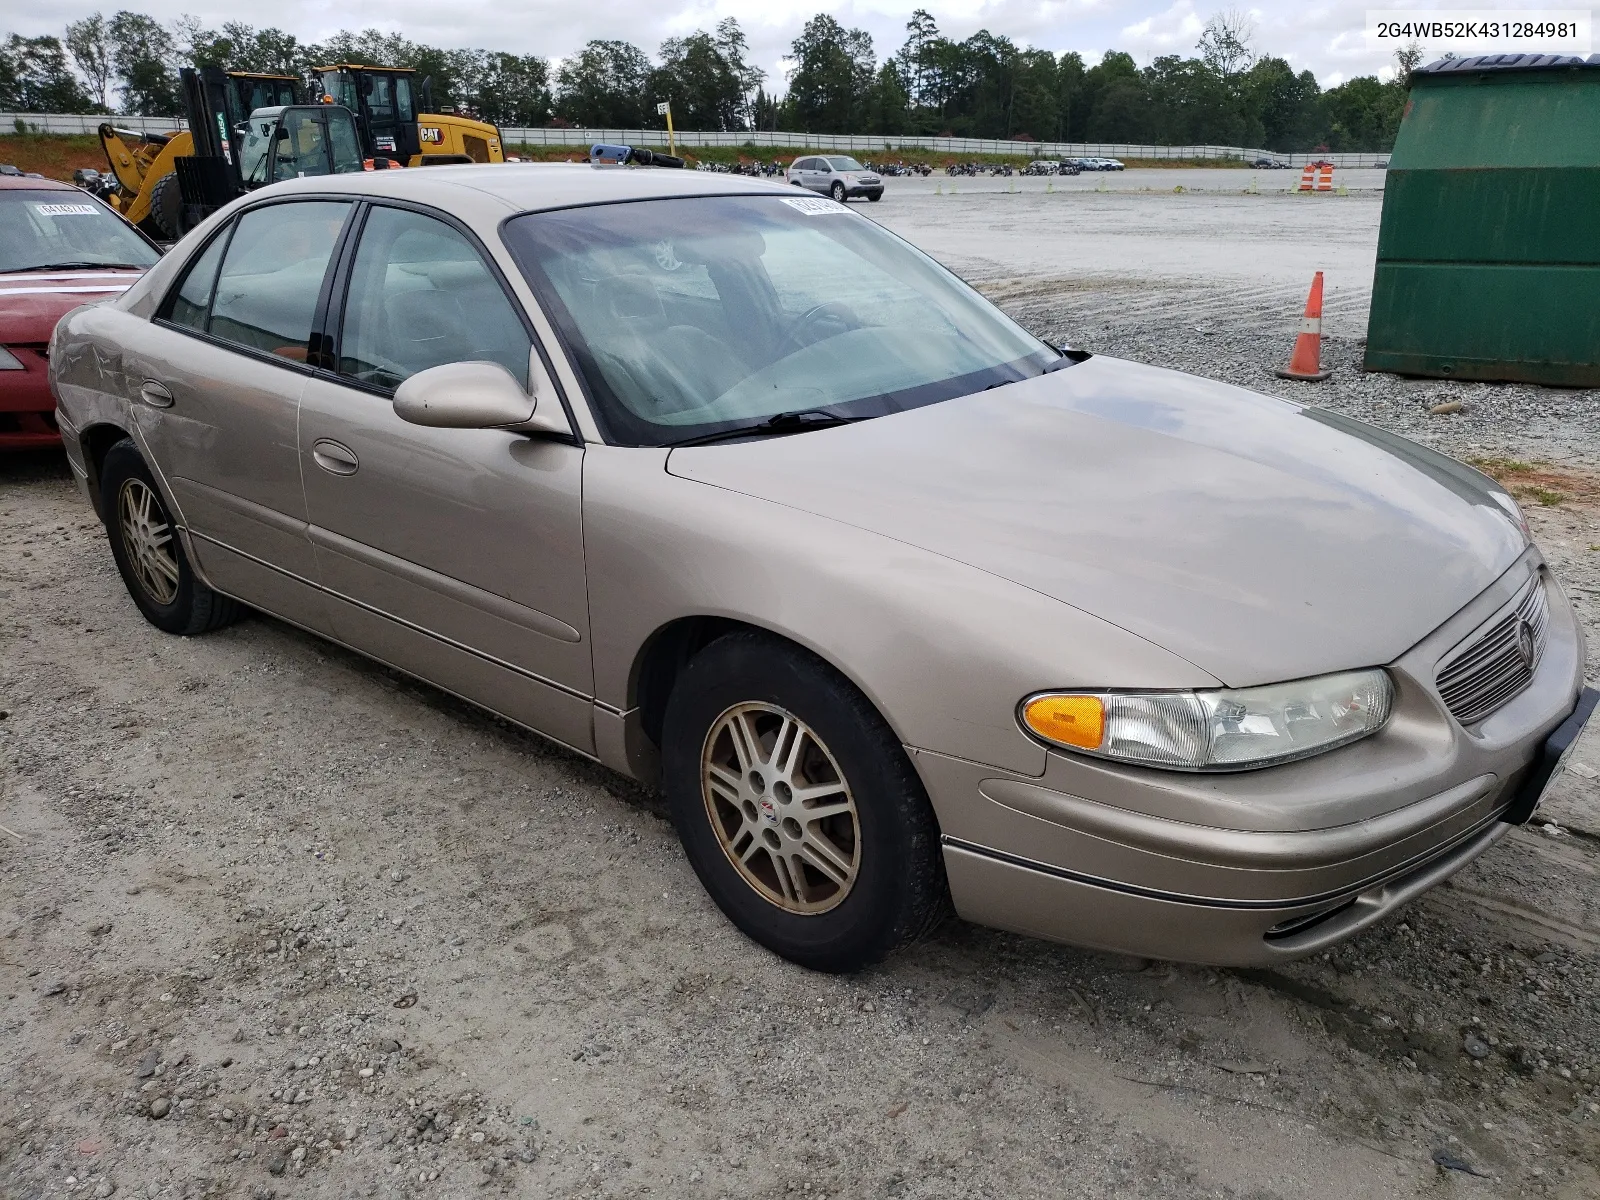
[[47, 229], [692, 316], [342, 138], [421, 296], [266, 292], [380, 100], [302, 146]]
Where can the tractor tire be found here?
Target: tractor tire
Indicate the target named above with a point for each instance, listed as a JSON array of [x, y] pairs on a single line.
[[166, 208]]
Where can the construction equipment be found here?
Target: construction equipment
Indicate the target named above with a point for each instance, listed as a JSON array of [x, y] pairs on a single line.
[[386, 100], [143, 164], [286, 141]]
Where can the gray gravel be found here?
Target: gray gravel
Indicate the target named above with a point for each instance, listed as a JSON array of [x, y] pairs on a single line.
[[360, 940]]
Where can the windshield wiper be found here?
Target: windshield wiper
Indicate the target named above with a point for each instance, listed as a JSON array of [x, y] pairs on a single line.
[[797, 421], [75, 266]]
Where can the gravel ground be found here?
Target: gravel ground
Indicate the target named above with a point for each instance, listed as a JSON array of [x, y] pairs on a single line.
[[279, 922]]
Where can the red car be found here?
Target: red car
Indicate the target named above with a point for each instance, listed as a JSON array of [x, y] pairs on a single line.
[[59, 247]]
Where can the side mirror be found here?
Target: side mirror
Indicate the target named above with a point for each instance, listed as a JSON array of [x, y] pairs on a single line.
[[481, 395]]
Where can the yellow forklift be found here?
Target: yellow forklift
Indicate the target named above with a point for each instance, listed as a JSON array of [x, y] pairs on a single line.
[[145, 164], [394, 114]]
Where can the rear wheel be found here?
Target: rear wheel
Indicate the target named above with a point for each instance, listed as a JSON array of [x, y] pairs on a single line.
[[148, 553], [797, 806]]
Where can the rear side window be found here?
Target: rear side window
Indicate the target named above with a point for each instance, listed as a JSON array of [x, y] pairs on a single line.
[[266, 293], [192, 301], [421, 296]]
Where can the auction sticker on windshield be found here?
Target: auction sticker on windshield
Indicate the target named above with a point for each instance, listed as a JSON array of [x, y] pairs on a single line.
[[816, 208], [64, 210]]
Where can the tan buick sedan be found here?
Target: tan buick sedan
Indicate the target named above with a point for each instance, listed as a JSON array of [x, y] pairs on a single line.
[[730, 489]]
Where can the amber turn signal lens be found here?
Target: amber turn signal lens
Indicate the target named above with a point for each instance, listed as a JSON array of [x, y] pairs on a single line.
[[1070, 720]]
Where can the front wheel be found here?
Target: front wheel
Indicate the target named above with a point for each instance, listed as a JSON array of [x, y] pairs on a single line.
[[797, 806], [874, 196], [837, 192], [149, 555]]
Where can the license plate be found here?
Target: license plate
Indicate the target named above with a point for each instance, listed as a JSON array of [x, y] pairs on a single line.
[[1552, 759]]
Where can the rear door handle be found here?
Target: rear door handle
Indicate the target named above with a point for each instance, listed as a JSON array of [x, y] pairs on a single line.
[[334, 458], [155, 394]]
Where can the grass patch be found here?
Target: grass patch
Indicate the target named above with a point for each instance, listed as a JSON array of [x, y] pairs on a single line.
[[1501, 468], [1538, 482], [55, 156], [1545, 496]]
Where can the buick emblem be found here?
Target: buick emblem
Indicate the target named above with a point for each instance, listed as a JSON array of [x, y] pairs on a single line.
[[1525, 644], [768, 810]]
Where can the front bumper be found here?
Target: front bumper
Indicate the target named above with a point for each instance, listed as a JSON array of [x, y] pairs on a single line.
[[1256, 867], [864, 189], [27, 409]]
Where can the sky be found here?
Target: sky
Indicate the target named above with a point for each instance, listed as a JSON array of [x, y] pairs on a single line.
[[1323, 35]]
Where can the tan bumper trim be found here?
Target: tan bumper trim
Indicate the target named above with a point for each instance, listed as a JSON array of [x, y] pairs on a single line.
[[1236, 847], [1397, 871]]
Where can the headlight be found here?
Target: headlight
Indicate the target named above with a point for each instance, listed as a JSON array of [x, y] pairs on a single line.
[[9, 361], [1228, 729]]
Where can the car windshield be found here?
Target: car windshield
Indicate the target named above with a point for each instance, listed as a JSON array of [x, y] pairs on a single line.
[[691, 316], [46, 228], [842, 162]]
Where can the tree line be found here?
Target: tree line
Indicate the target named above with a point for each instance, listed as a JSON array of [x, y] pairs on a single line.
[[984, 86]]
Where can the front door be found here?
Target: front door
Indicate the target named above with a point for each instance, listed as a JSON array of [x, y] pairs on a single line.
[[456, 554], [220, 373]]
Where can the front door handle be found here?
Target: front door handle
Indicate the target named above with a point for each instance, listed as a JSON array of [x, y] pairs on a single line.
[[155, 394], [334, 458]]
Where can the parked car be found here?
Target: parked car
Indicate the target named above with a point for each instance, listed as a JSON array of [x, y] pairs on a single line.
[[1269, 164], [836, 175], [59, 247], [735, 492]]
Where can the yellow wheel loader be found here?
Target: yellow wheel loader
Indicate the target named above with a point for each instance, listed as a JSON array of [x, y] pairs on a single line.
[[392, 113], [145, 164]]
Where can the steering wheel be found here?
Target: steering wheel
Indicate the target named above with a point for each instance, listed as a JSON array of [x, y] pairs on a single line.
[[833, 313]]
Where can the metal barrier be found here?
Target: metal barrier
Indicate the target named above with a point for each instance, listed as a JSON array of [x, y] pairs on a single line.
[[871, 146]]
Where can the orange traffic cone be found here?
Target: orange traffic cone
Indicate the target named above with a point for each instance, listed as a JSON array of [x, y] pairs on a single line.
[[1306, 360]]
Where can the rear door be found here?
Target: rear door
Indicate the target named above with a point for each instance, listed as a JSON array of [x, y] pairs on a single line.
[[456, 554], [217, 379]]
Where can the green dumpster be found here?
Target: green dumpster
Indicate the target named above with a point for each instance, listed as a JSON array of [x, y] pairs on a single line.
[[1489, 249]]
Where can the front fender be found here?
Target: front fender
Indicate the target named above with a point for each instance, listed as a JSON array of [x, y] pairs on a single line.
[[945, 651]]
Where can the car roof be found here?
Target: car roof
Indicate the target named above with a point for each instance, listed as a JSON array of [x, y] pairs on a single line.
[[10, 183], [490, 192]]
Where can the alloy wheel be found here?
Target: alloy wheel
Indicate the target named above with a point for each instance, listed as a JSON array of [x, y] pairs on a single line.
[[781, 808], [147, 537]]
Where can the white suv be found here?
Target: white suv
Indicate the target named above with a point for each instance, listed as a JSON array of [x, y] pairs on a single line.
[[836, 175]]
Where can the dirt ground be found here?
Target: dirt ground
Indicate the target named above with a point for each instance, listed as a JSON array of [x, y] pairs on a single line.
[[275, 921]]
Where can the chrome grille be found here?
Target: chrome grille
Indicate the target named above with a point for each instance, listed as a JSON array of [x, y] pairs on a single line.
[[1496, 663]]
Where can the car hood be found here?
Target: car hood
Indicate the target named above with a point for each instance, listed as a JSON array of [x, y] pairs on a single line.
[[31, 302], [1258, 539]]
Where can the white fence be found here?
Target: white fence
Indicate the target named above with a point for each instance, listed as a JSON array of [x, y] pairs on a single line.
[[873, 146], [877, 145]]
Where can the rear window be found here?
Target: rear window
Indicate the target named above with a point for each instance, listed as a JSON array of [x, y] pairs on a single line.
[[45, 229]]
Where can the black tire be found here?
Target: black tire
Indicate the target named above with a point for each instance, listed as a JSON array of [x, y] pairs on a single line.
[[874, 196], [193, 607], [899, 891], [837, 192], [166, 207]]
